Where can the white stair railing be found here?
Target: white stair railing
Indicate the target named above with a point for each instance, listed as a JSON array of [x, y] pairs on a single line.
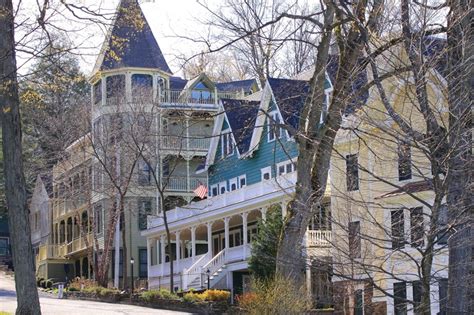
[[194, 271], [215, 263]]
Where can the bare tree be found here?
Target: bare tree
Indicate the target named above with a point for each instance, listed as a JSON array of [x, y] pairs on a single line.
[[15, 185]]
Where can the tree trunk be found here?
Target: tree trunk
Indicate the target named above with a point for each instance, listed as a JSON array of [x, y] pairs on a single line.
[[460, 95], [15, 186], [124, 253]]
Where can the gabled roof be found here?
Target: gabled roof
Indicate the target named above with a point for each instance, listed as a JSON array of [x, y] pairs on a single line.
[[358, 81], [290, 96], [130, 42], [241, 116], [176, 83], [237, 86], [200, 78]]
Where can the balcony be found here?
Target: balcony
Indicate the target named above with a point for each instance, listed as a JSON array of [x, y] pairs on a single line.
[[188, 97], [251, 196], [318, 238], [178, 143], [183, 184], [79, 243]]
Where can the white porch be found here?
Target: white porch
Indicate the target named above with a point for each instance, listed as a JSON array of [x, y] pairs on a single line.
[[214, 235]]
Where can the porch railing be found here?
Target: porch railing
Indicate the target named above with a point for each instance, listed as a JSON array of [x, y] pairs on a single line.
[[215, 263], [194, 97], [317, 238], [184, 184], [180, 143]]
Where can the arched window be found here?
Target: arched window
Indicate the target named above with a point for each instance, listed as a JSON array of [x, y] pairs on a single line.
[[142, 88]]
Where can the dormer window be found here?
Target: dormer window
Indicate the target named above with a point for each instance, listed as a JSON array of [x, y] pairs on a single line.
[[227, 144], [274, 129]]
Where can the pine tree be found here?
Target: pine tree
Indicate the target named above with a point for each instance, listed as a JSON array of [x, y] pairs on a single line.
[[262, 263]]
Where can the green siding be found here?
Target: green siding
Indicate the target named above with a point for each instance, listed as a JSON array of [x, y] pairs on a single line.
[[268, 154]]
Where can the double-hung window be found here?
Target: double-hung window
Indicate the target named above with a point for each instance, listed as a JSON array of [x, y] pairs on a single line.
[[398, 229], [286, 167], [144, 173], [404, 161], [416, 227], [233, 184], [354, 239], [275, 131], [352, 172], [144, 210], [227, 144]]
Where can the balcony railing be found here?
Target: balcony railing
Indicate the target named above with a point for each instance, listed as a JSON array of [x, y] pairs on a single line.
[[181, 143], [194, 97], [183, 184], [79, 243], [318, 238]]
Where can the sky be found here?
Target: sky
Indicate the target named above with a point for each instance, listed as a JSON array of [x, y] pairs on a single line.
[[168, 19]]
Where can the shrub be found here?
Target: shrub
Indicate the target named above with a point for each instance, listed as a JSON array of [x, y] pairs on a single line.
[[78, 282], [49, 283], [43, 283], [152, 295], [108, 292], [276, 296], [72, 289], [216, 295], [193, 297]]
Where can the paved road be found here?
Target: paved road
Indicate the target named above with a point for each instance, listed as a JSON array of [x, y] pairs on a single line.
[[53, 306]]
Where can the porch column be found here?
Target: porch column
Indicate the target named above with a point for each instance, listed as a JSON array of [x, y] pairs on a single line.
[[226, 233], [263, 211], [178, 251], [284, 206], [193, 243], [158, 251], [209, 238], [244, 225], [163, 255], [148, 256]]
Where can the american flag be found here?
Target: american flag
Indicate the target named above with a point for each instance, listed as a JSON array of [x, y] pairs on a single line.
[[201, 191]]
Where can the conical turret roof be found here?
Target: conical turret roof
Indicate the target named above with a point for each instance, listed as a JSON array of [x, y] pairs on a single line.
[[130, 42]]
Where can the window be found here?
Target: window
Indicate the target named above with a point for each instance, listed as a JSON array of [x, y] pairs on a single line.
[[98, 92], [222, 188], [442, 236], [227, 144], [274, 129], [359, 302], [144, 210], [37, 219], [98, 221], [352, 172], [321, 220], [233, 184], [266, 173], [398, 229], [286, 167], [214, 191], [417, 291], [443, 296], [404, 161], [416, 227], [354, 239], [400, 294], [142, 87], [142, 263], [242, 181], [144, 173], [115, 87]]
